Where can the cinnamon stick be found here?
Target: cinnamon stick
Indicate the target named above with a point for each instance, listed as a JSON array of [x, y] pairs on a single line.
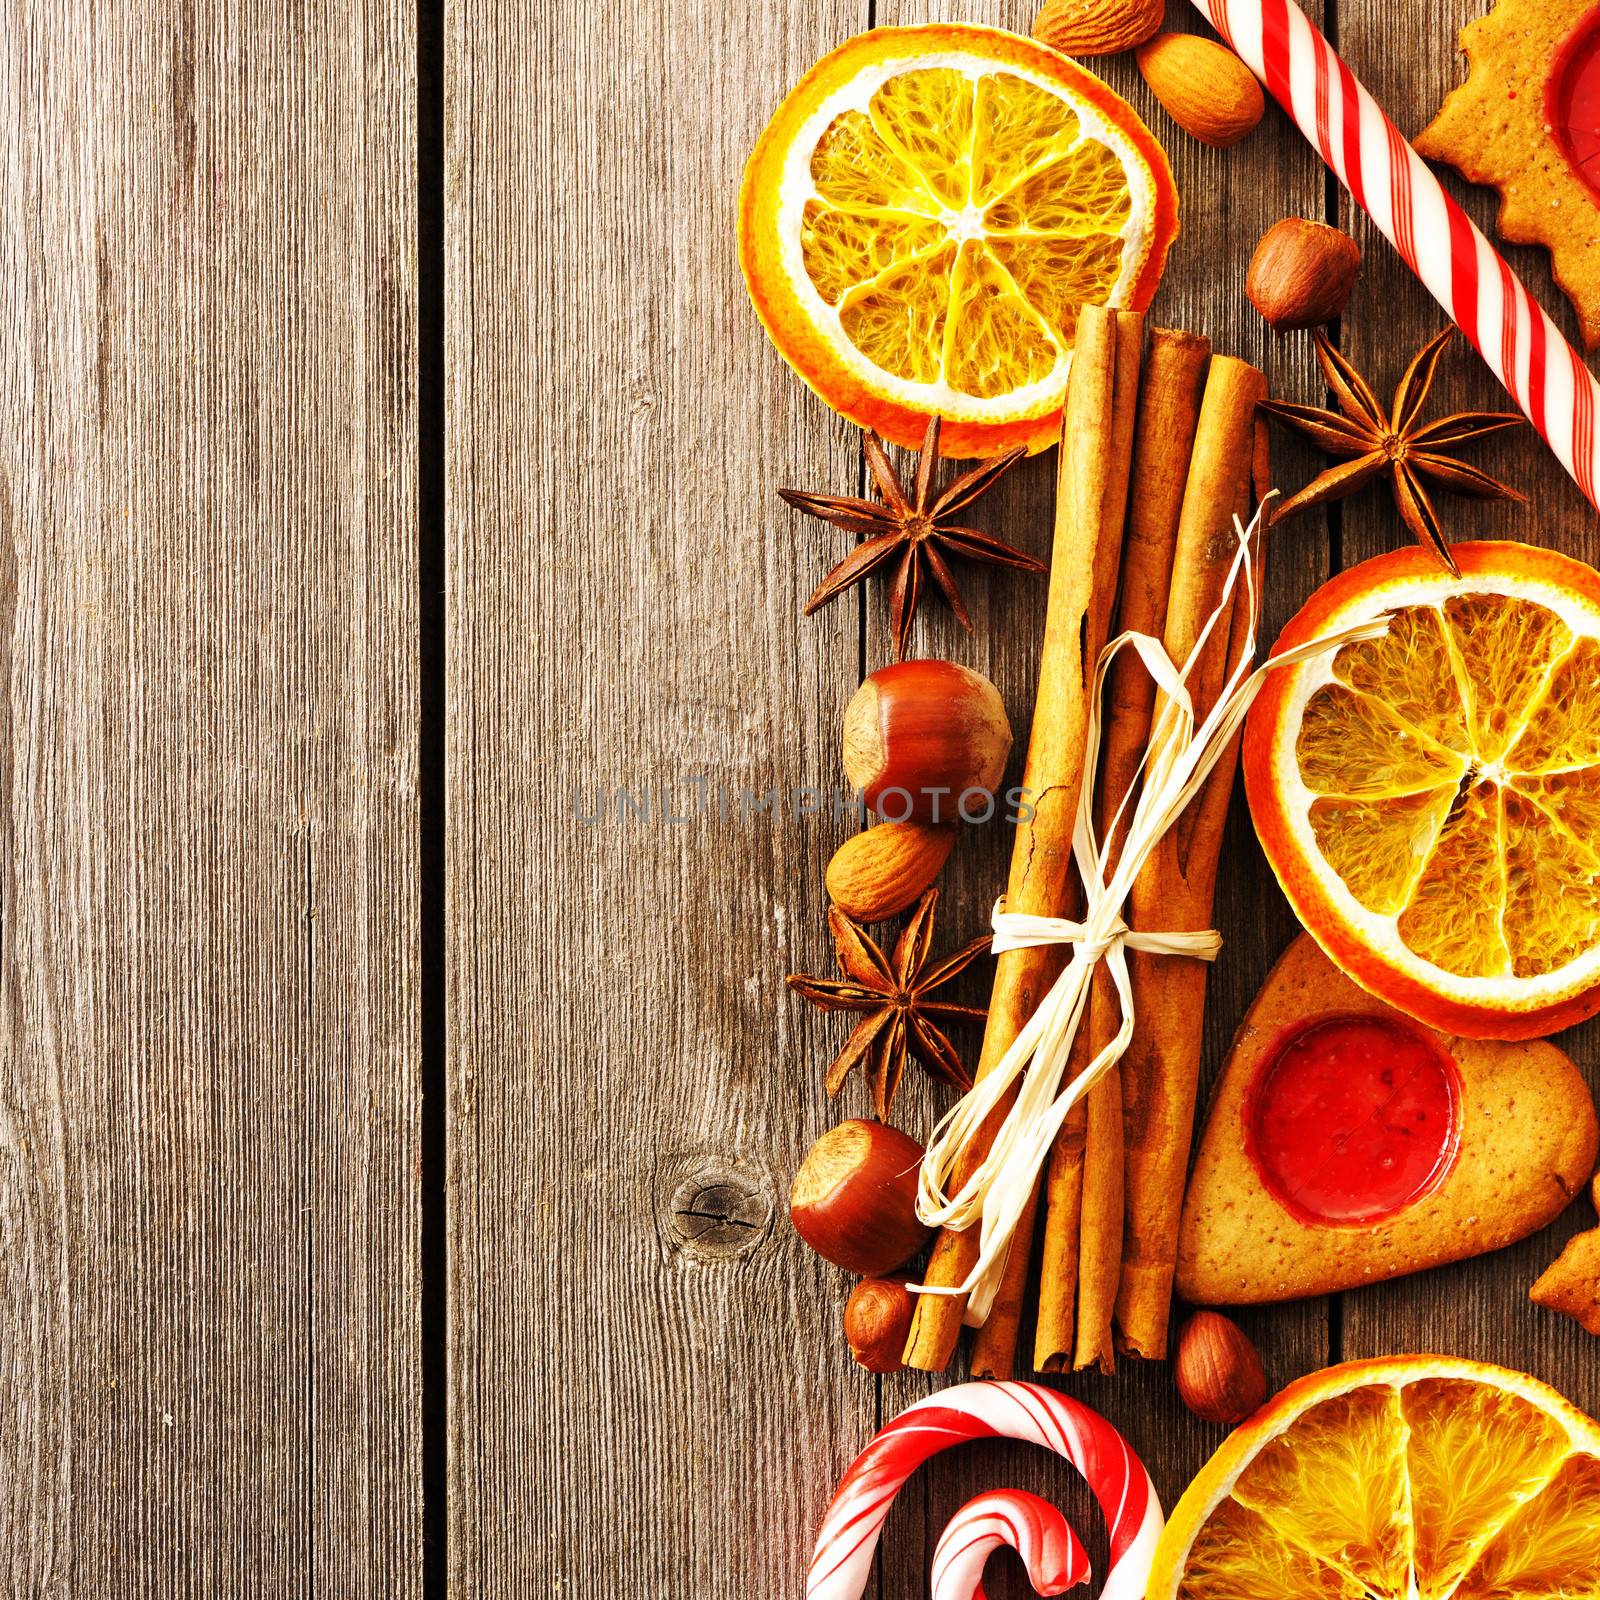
[[1063, 1218], [1083, 581], [1161, 1069], [1175, 376], [994, 1348], [1169, 405]]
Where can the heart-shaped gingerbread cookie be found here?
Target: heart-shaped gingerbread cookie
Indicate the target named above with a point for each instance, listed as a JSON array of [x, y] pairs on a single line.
[[1347, 1143]]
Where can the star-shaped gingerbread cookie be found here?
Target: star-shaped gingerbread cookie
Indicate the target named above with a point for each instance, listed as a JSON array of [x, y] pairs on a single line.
[[1527, 122]]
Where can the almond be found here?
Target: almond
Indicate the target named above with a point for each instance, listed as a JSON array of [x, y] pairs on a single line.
[[882, 871], [1206, 89], [1302, 273], [1218, 1372], [1098, 27]]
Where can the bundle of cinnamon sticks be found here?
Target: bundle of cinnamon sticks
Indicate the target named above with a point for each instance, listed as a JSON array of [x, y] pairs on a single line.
[[1161, 450]]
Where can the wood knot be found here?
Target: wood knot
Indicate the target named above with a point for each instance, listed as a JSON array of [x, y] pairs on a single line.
[[720, 1212]]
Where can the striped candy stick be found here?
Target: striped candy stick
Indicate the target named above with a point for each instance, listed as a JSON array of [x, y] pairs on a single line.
[[1389, 180], [842, 1561], [1050, 1550]]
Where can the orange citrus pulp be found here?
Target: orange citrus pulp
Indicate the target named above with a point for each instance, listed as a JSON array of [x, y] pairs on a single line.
[[1430, 800], [925, 216], [1411, 1478]]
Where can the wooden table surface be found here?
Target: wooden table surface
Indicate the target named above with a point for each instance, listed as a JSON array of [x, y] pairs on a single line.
[[392, 1149]]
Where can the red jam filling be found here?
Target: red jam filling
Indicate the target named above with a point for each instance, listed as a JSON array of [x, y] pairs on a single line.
[[1351, 1119], [1573, 100]]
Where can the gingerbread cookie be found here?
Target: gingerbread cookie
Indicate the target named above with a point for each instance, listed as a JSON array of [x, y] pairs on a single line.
[[1571, 1283], [1527, 122], [1347, 1143]]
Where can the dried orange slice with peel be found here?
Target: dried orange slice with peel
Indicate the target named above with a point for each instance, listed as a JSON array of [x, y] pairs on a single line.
[[925, 216], [1430, 800], [1408, 1478]]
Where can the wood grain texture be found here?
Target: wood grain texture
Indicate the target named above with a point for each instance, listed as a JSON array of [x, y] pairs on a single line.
[[1476, 1308], [208, 1075], [648, 1390]]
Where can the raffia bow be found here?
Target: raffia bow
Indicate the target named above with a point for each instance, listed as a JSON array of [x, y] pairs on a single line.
[[1179, 758]]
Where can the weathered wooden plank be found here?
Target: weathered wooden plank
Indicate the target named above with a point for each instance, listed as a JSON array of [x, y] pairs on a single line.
[[648, 1391], [208, 1080], [1478, 1308]]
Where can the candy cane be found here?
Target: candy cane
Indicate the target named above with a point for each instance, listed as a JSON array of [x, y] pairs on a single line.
[[1388, 179], [1032, 1527], [842, 1560]]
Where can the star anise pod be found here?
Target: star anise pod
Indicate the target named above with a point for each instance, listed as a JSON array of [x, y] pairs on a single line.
[[912, 530], [892, 993], [1374, 442]]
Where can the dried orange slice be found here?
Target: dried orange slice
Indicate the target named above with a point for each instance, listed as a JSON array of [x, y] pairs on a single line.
[[1411, 1478], [925, 216], [1430, 800]]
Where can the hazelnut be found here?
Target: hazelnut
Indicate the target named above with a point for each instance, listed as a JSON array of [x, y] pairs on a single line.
[[1218, 1372], [1302, 273], [879, 872], [854, 1199], [877, 1323], [927, 741]]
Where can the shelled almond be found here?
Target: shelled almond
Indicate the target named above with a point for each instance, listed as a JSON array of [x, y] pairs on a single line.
[[1098, 27], [878, 873], [1206, 89]]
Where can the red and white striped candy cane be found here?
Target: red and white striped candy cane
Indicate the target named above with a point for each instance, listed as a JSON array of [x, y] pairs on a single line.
[[1389, 180], [1032, 1527], [842, 1560]]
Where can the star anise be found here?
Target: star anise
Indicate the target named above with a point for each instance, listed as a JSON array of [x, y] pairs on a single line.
[[912, 529], [892, 992], [1374, 442]]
